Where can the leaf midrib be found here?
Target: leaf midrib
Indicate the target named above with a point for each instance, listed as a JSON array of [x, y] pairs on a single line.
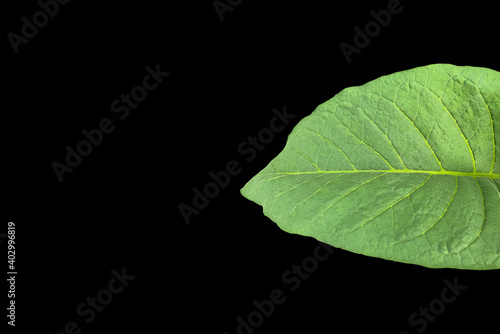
[[402, 171]]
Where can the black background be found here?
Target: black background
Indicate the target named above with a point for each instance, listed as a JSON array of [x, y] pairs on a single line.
[[119, 207]]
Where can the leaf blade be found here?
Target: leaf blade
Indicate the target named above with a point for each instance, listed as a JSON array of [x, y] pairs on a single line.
[[403, 168]]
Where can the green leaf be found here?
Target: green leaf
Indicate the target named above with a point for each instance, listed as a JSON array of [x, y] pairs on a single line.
[[405, 167]]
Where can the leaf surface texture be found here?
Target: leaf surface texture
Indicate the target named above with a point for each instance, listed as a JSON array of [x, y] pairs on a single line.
[[405, 167]]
